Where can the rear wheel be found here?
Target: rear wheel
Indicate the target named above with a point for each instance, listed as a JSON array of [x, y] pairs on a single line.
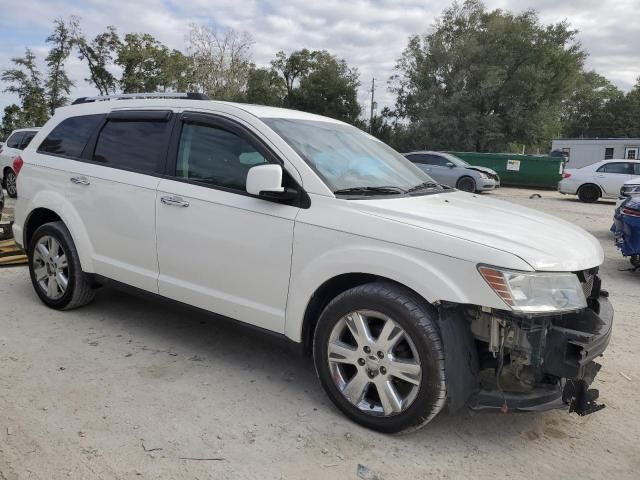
[[55, 269], [10, 183], [589, 193], [379, 357], [466, 184]]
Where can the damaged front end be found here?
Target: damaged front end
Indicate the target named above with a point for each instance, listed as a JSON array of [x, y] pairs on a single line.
[[497, 360]]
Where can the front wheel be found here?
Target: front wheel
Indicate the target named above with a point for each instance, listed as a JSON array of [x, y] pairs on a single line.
[[10, 184], [379, 357], [54, 266], [466, 184]]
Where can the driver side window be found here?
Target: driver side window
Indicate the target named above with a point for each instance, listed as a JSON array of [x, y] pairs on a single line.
[[215, 156]]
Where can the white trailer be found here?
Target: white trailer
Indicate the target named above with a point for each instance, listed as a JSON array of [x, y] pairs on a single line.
[[585, 151]]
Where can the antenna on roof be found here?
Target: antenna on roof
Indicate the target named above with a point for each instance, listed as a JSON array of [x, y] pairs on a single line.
[[134, 96]]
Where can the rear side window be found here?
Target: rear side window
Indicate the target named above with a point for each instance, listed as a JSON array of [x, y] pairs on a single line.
[[26, 139], [137, 145], [70, 136], [619, 167], [15, 140]]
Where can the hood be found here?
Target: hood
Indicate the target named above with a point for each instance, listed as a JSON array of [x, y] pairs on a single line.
[[482, 169], [545, 242]]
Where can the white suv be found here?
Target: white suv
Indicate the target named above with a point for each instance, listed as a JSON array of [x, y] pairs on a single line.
[[410, 296], [17, 141]]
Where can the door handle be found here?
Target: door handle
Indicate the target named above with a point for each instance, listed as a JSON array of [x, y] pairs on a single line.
[[174, 201], [80, 181]]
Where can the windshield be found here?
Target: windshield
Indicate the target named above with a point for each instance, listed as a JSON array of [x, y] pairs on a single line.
[[347, 158]]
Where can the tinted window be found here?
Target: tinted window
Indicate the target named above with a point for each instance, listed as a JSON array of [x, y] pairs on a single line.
[[70, 136], [636, 168], [618, 167], [437, 160], [419, 158], [215, 156], [15, 140], [26, 139], [132, 145]]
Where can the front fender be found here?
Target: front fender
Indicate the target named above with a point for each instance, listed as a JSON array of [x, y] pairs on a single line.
[[435, 277], [62, 207]]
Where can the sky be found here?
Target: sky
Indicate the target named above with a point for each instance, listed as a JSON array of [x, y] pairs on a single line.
[[369, 34]]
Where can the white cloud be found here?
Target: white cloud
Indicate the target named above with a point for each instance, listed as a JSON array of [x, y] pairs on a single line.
[[369, 34]]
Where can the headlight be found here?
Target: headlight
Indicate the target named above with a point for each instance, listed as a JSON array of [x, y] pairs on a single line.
[[536, 292], [483, 175], [627, 190]]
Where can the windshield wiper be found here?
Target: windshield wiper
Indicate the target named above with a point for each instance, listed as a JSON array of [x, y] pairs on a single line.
[[423, 186], [369, 191]]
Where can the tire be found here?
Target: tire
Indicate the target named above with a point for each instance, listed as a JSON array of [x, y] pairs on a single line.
[[378, 303], [589, 193], [466, 184], [10, 184], [78, 290]]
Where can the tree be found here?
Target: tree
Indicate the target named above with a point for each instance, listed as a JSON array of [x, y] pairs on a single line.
[[58, 84], [588, 112], [25, 81], [318, 82], [11, 120], [481, 80], [264, 87], [291, 68], [98, 54], [329, 88], [143, 60], [221, 61]]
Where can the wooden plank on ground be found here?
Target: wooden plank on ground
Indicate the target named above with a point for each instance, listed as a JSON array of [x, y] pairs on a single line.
[[11, 255]]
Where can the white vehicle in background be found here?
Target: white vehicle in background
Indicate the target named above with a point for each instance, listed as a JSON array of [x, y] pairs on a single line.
[[599, 180], [410, 296], [17, 141]]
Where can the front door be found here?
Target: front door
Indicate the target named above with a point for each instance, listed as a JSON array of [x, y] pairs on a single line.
[[218, 247]]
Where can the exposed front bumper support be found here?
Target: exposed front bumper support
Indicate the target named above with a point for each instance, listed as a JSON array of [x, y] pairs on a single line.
[[569, 348]]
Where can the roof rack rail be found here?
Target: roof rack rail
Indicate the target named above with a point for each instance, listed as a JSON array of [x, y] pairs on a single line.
[[133, 96]]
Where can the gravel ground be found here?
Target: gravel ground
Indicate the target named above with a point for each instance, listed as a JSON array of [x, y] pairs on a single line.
[[131, 387]]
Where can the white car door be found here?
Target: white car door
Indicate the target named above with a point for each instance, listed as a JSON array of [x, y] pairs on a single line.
[[220, 248], [612, 175], [112, 186]]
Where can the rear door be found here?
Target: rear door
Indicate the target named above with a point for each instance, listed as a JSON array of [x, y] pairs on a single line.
[[426, 163], [112, 186], [611, 176]]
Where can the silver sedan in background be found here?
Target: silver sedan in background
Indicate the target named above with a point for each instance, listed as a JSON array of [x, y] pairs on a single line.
[[454, 172]]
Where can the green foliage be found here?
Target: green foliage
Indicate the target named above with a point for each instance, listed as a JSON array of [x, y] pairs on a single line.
[[58, 85], [11, 120], [481, 80], [99, 54], [25, 81], [318, 82], [264, 87]]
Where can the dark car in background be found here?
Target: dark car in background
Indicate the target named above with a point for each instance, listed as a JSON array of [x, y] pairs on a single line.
[[454, 172]]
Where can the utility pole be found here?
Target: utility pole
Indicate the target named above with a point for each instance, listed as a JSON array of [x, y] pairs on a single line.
[[373, 104]]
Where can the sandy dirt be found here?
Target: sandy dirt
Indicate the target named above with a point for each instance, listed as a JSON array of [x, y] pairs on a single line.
[[131, 387]]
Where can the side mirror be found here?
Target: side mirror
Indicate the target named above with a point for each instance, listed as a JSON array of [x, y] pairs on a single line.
[[450, 165], [266, 181]]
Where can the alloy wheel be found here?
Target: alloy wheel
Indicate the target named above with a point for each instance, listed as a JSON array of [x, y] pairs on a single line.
[[10, 184], [374, 363], [51, 267]]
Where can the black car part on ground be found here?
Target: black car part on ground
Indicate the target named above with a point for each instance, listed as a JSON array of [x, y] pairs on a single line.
[[560, 366]]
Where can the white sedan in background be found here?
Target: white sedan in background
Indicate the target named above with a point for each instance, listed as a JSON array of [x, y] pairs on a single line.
[[599, 180]]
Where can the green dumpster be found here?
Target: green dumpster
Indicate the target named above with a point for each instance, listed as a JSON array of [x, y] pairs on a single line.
[[540, 171]]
